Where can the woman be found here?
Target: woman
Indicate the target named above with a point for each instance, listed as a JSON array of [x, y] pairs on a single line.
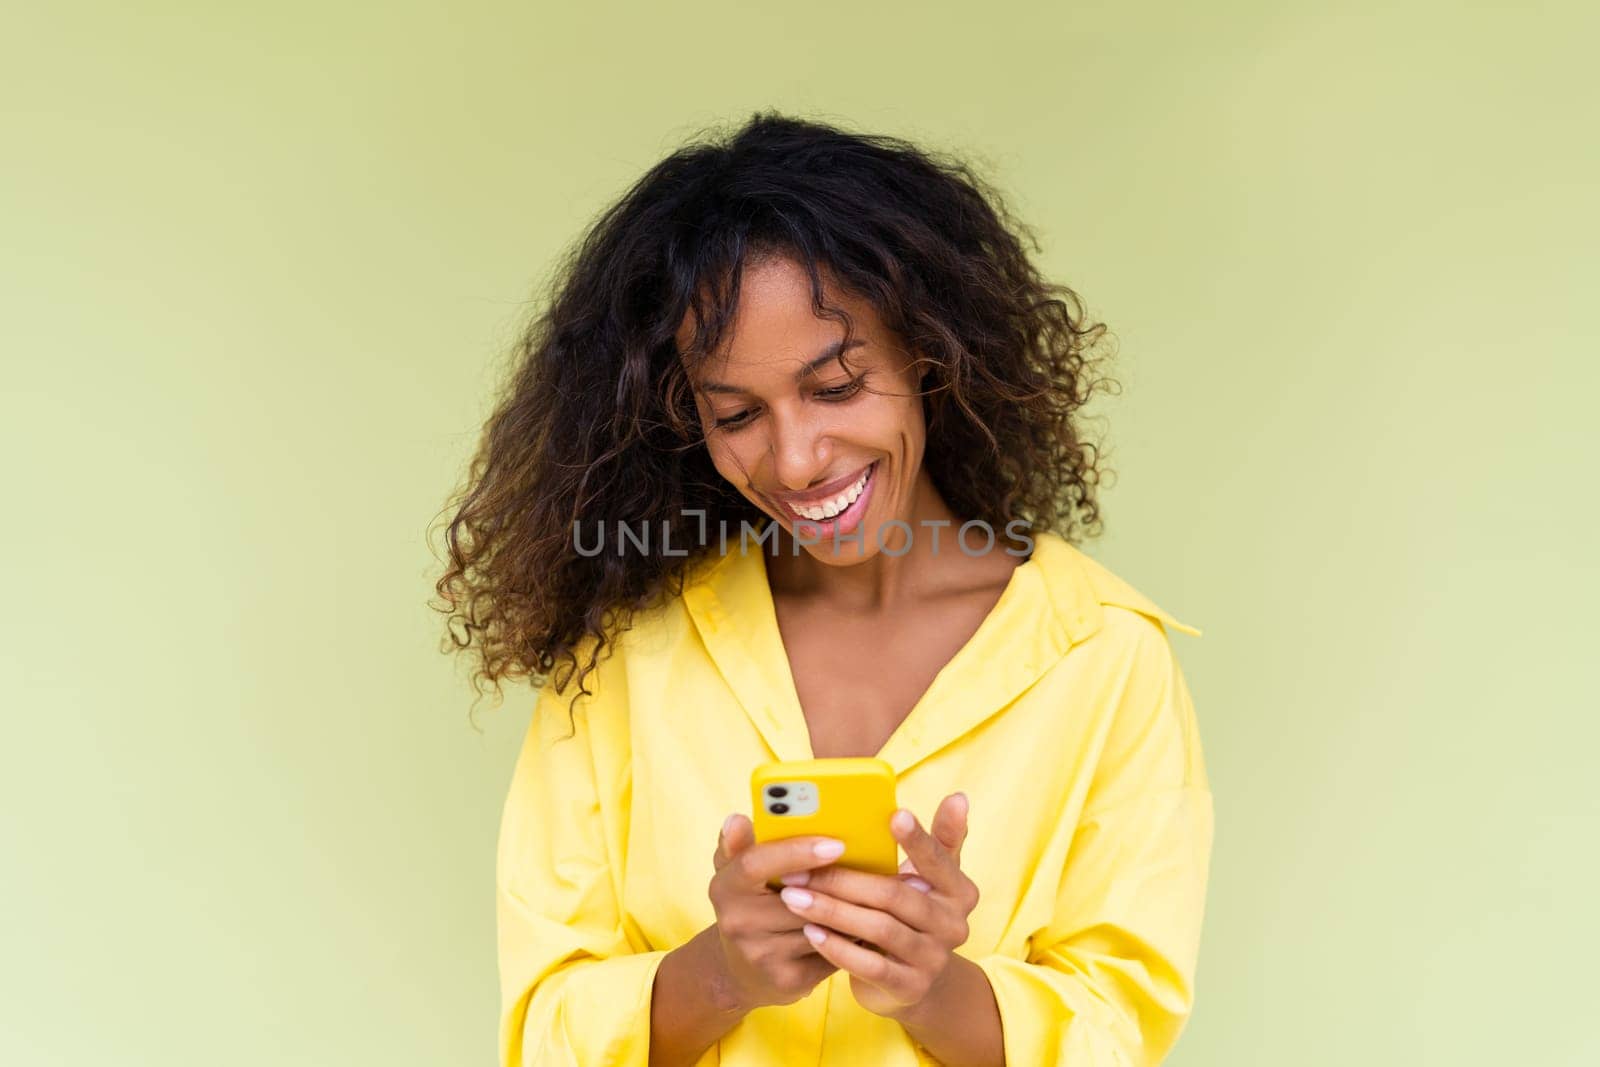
[[790, 468]]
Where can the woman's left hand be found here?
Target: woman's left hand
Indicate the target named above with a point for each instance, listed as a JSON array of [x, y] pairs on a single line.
[[917, 920]]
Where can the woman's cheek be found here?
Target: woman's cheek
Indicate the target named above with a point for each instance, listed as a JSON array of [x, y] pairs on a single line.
[[729, 464]]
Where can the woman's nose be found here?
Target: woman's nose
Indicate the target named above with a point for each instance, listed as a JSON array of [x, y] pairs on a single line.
[[799, 454]]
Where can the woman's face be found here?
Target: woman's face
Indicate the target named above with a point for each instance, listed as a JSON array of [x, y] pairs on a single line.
[[794, 430]]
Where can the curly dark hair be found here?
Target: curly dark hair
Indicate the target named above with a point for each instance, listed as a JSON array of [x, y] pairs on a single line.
[[599, 419]]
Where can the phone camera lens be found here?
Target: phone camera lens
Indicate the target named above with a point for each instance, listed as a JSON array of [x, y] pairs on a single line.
[[779, 809], [777, 791]]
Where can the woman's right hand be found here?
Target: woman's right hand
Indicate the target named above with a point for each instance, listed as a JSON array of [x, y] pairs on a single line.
[[767, 957]]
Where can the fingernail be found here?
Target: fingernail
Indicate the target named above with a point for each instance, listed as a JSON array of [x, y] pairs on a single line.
[[919, 884], [829, 850], [903, 821], [796, 878], [966, 805], [796, 898], [814, 933], [727, 824]]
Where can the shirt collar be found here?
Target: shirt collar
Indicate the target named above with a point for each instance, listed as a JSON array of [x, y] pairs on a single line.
[[1052, 602]]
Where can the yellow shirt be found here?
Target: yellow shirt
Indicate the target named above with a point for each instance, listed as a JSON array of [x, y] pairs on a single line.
[[1065, 719]]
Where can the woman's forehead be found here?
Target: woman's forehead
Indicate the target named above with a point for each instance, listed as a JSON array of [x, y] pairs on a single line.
[[774, 326]]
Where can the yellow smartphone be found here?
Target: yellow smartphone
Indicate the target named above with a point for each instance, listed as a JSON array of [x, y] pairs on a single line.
[[849, 798]]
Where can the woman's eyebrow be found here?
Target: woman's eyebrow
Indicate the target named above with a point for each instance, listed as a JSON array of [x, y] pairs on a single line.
[[832, 352]]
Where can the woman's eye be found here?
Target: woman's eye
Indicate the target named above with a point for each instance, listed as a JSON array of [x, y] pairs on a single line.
[[840, 391]]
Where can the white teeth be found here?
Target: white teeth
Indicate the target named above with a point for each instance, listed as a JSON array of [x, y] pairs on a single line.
[[828, 509]]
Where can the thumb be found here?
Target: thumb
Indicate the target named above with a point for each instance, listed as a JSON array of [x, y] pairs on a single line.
[[736, 836], [950, 822]]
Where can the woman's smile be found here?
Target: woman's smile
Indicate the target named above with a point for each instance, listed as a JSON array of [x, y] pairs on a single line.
[[842, 511]]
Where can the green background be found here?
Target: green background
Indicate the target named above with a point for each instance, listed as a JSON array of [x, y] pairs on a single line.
[[260, 271]]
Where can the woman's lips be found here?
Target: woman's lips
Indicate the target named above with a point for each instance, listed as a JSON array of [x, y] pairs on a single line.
[[817, 499], [844, 522]]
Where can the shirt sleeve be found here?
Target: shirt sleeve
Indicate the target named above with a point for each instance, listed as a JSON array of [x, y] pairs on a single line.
[[1109, 982], [575, 989]]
